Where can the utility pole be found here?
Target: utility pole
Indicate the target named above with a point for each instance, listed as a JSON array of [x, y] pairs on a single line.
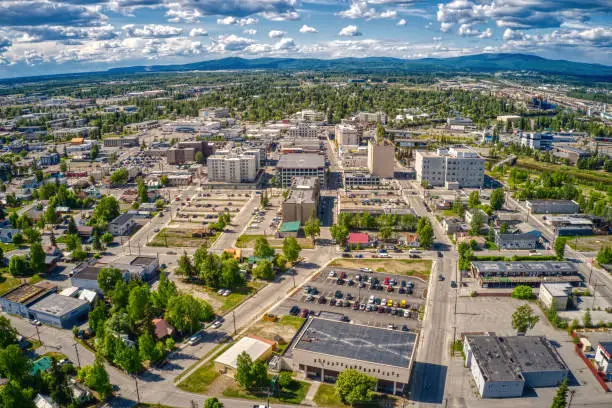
[[569, 403], [137, 393], [234, 319], [76, 349], [38, 334], [293, 276]]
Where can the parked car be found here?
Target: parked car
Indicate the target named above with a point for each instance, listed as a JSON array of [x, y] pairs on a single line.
[[304, 313], [294, 310], [453, 284]]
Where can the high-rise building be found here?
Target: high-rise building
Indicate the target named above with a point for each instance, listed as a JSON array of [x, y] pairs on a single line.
[[348, 135], [372, 117], [302, 201], [455, 165], [300, 165], [232, 168], [381, 158]]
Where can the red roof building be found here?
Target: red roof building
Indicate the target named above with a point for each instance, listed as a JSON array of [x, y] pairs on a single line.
[[360, 238], [163, 329]]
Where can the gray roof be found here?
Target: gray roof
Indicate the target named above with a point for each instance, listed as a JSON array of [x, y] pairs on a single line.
[[506, 358], [144, 260], [122, 219], [89, 272], [365, 343], [561, 267], [57, 305], [301, 161]]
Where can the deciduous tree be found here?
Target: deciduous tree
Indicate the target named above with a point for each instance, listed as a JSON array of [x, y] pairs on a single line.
[[524, 319], [354, 387]]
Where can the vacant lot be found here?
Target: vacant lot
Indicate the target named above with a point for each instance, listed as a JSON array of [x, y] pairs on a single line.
[[237, 296], [286, 327], [293, 394], [7, 283], [172, 237], [590, 244], [420, 268], [579, 174], [248, 241]]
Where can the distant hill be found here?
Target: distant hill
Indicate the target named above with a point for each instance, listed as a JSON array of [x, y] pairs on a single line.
[[482, 63]]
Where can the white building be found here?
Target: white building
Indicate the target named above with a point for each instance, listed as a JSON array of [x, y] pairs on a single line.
[[537, 141], [303, 130], [310, 115], [300, 165], [557, 293], [347, 135], [458, 123], [460, 165], [375, 117], [603, 357], [233, 168], [213, 113]]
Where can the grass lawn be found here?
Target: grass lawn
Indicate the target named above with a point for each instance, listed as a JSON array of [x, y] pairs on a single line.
[[590, 244], [293, 321], [293, 394], [237, 296], [7, 247], [169, 237], [55, 355], [7, 283], [200, 379], [590, 175], [35, 344], [248, 241], [326, 397], [420, 268]]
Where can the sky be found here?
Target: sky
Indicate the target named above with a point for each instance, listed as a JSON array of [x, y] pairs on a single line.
[[40, 37]]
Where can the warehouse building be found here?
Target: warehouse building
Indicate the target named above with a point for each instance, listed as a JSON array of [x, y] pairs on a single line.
[[323, 348], [19, 300], [555, 293], [300, 165], [502, 366], [510, 274], [121, 141], [553, 207], [259, 349], [60, 311]]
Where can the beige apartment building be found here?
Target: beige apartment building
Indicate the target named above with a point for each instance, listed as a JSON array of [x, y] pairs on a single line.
[[302, 201], [381, 159], [448, 166]]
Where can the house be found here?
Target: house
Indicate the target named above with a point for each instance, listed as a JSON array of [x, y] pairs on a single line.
[[85, 232], [452, 225], [528, 240], [469, 215], [43, 364], [122, 225], [44, 401], [80, 394], [555, 293], [358, 239], [410, 239], [603, 357], [258, 348], [163, 329]]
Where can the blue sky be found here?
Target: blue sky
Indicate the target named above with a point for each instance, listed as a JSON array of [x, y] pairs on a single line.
[[39, 37]]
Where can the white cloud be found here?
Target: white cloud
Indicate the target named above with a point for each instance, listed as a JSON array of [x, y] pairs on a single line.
[[229, 20], [63, 33], [179, 15], [284, 44], [152, 31], [402, 22], [466, 30], [230, 42], [42, 12], [308, 29], [238, 8], [249, 31], [277, 34], [361, 9], [350, 31], [198, 32], [488, 33], [285, 16]]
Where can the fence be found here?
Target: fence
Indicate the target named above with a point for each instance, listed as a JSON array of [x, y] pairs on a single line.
[[590, 365]]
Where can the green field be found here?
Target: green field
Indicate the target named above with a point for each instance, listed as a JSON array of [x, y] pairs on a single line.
[[579, 174], [293, 394], [590, 244], [326, 397], [200, 379], [248, 241], [181, 238], [7, 283], [237, 296]]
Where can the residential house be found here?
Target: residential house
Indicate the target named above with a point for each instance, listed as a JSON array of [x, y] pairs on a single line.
[[360, 239], [527, 240], [603, 358], [6, 234], [410, 239], [122, 225], [163, 329]]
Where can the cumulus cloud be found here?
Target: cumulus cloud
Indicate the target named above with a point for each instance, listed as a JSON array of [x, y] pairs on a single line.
[[466, 30], [277, 34], [43, 12], [152, 31], [361, 9], [249, 31], [198, 32], [239, 8], [63, 33], [5, 43], [308, 29], [402, 22], [230, 42], [350, 31], [229, 20], [593, 38], [178, 15], [285, 16]]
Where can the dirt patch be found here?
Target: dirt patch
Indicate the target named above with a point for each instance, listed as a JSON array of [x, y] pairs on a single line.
[[197, 292], [420, 268], [590, 244], [270, 330], [220, 384]]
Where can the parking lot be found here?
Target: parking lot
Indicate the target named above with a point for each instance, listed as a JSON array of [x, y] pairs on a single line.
[[365, 297], [204, 208], [266, 221]]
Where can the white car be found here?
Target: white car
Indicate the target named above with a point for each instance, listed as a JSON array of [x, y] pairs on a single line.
[[220, 292], [35, 322], [216, 324], [332, 274], [365, 270], [226, 292]]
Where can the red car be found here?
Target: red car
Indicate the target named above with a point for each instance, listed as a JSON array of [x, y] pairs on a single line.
[[386, 282], [304, 313], [389, 288]]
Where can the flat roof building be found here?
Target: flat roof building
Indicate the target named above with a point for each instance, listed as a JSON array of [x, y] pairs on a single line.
[[348, 135], [460, 165], [553, 207], [122, 225], [302, 203], [128, 141], [290, 166], [555, 293], [256, 347], [60, 311], [226, 167], [381, 159], [324, 348], [509, 274], [502, 366], [18, 301]]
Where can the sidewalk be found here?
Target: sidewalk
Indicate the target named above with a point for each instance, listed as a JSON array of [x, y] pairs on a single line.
[[312, 391]]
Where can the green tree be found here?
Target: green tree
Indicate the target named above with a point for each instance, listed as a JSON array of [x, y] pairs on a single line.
[[107, 209], [291, 249], [285, 379], [212, 402], [474, 199], [128, 358], [33, 235], [107, 238], [186, 313], [50, 215], [15, 395], [17, 239], [185, 267], [199, 157], [524, 319], [522, 292], [108, 279], [164, 180], [18, 266], [477, 223], [97, 243], [14, 364], [243, 370], [97, 317], [166, 289], [560, 247], [263, 248], [380, 133], [97, 378], [504, 228], [138, 303], [8, 334], [264, 270], [426, 236], [339, 233], [13, 219], [120, 177], [230, 274], [312, 228], [146, 346], [586, 319], [604, 256], [560, 400], [143, 194], [72, 228], [37, 258], [497, 199], [354, 387]]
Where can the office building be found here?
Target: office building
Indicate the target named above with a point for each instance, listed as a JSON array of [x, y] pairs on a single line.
[[290, 166], [553, 207], [309, 115], [214, 113], [503, 366], [323, 348], [381, 159], [303, 200], [180, 156], [354, 179], [510, 274], [572, 154], [128, 141], [454, 165], [459, 124], [229, 168], [537, 141], [303, 130], [372, 117], [348, 135], [555, 293]]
